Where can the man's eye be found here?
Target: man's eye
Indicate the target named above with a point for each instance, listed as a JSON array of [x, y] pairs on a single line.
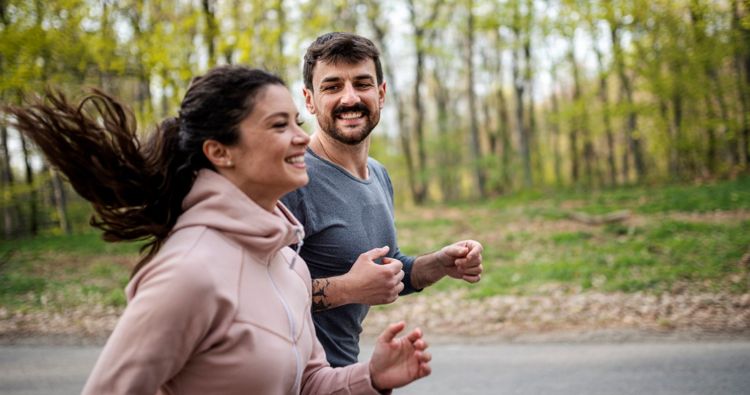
[[300, 123], [279, 125]]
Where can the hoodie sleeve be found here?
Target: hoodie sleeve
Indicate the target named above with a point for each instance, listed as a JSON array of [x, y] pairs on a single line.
[[160, 329], [320, 378]]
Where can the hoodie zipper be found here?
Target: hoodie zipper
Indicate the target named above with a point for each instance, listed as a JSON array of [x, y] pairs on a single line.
[[292, 330]]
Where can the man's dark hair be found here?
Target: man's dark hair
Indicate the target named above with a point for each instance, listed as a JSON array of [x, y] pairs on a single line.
[[337, 47]]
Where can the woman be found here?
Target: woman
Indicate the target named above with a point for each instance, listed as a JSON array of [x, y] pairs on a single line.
[[218, 304]]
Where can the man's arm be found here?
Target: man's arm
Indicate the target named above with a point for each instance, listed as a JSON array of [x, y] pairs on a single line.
[[460, 260], [367, 282]]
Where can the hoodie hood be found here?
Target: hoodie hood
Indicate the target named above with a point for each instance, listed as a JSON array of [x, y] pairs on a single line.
[[216, 203]]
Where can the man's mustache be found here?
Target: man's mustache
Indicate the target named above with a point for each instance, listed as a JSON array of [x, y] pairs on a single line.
[[359, 107]]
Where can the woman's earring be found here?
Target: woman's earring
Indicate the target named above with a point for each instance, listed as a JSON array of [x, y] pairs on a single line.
[[230, 163]]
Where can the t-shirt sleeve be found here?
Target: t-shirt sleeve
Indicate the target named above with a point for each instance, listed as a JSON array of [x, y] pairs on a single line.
[[162, 326], [408, 262]]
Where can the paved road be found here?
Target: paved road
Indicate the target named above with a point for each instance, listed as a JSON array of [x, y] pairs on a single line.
[[581, 369]]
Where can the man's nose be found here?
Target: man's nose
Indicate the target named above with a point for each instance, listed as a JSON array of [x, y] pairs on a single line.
[[349, 95]]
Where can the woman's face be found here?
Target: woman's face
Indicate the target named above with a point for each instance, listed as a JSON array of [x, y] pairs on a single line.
[[268, 160]]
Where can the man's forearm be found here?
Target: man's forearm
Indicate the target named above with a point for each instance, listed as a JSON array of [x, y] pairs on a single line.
[[426, 270], [327, 293]]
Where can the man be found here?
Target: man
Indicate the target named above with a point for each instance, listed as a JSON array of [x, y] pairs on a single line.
[[347, 207]]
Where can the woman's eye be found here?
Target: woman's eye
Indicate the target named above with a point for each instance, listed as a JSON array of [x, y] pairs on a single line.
[[300, 123], [279, 125]]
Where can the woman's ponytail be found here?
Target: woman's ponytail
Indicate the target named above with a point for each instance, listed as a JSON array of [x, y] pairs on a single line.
[[95, 145], [137, 190]]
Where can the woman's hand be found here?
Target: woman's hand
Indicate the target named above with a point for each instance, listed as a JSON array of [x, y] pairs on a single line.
[[397, 362]]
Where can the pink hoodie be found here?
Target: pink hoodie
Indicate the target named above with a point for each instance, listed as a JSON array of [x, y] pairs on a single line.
[[222, 310]]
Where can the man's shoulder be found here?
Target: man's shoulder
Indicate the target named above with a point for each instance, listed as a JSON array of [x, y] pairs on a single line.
[[376, 164], [379, 172], [378, 168]]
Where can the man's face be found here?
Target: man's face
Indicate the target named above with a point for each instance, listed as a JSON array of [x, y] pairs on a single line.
[[346, 100]]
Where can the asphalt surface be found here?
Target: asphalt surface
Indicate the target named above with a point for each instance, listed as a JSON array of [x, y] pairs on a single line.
[[682, 368]]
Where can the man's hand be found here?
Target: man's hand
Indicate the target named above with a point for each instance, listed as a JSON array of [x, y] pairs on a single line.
[[367, 282], [397, 362], [370, 283], [461, 260]]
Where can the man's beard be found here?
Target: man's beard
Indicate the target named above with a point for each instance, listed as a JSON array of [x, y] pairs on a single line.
[[351, 138]]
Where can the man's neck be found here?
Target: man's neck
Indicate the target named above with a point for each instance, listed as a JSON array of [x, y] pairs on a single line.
[[352, 158]]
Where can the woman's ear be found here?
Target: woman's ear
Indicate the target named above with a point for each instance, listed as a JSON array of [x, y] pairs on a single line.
[[218, 154]]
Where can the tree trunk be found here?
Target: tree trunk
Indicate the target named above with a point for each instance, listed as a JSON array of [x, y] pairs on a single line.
[[503, 125], [61, 201], [106, 80], [421, 187], [555, 132], [580, 123], [143, 94], [555, 138], [209, 16], [29, 171], [711, 147], [282, 69], [606, 118], [672, 154], [421, 163], [447, 160], [403, 127], [742, 48], [626, 96], [533, 144], [518, 83], [677, 112], [10, 213], [699, 31], [474, 127]]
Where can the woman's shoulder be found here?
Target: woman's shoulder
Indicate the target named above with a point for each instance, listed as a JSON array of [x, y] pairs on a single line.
[[198, 257]]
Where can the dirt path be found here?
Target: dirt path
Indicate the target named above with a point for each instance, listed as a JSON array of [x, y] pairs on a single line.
[[562, 315], [554, 316]]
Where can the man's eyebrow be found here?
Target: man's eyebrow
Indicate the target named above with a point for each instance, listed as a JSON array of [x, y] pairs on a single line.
[[364, 77], [330, 79]]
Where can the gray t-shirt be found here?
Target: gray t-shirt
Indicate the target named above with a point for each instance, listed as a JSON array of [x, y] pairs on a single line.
[[343, 217]]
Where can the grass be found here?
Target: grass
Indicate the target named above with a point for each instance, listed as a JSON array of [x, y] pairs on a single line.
[[675, 241], [54, 272]]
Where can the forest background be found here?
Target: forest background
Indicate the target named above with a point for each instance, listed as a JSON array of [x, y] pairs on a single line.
[[615, 132]]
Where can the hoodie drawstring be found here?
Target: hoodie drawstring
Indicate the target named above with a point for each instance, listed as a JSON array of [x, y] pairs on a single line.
[[299, 234]]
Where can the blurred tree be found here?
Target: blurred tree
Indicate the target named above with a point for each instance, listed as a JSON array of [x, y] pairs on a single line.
[[519, 83], [614, 92]]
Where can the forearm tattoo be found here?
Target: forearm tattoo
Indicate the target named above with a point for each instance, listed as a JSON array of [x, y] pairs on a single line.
[[319, 297]]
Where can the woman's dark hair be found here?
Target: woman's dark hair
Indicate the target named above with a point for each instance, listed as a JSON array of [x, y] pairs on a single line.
[[137, 189]]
